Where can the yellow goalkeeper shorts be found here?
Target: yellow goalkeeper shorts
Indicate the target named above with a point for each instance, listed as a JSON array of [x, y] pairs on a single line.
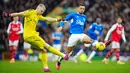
[[36, 41]]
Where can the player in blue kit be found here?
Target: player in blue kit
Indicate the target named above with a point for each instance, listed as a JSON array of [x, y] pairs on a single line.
[[57, 37], [77, 26], [94, 32]]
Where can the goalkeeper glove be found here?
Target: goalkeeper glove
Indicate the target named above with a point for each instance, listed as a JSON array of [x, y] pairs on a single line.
[[59, 20], [5, 15]]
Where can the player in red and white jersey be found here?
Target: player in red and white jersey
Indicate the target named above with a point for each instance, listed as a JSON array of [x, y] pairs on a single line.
[[14, 30], [117, 32]]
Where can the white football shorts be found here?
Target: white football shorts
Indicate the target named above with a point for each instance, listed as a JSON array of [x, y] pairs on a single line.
[[88, 45], [115, 44], [13, 43], [26, 45], [74, 39]]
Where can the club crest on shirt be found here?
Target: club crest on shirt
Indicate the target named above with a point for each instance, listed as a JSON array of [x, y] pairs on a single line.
[[118, 31]]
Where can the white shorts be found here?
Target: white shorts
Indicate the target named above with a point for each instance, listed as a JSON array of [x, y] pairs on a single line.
[[88, 45], [74, 38], [115, 44], [13, 43], [26, 45], [57, 46]]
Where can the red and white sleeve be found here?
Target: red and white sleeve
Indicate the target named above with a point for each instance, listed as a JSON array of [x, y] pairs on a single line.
[[110, 31], [8, 29], [123, 35]]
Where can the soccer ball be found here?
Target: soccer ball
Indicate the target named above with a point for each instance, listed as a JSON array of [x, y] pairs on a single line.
[[83, 57], [100, 46]]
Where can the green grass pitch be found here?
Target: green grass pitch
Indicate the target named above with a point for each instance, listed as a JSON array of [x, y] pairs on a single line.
[[66, 67]]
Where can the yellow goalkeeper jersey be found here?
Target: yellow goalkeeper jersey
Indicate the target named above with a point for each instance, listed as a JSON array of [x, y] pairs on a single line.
[[30, 21]]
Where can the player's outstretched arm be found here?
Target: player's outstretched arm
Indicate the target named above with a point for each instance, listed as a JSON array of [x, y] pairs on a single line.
[[51, 19], [47, 19], [17, 14], [5, 14], [91, 28], [68, 17]]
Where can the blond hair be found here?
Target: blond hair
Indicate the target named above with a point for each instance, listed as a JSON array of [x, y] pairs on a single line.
[[42, 6]]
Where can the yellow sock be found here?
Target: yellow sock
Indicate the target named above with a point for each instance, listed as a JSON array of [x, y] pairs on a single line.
[[55, 51], [45, 59]]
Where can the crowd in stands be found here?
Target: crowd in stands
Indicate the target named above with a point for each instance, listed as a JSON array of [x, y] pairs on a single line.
[[107, 10]]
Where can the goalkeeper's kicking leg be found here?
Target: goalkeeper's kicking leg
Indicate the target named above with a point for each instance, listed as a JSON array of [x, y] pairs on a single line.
[[54, 51], [41, 44]]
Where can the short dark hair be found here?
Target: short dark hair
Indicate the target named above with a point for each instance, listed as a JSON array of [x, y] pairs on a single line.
[[81, 4], [119, 17]]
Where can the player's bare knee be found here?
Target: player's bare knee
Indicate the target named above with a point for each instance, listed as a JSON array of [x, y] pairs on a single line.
[[14, 47], [112, 50], [93, 48], [91, 41], [88, 41], [69, 49], [47, 46], [117, 49], [44, 50]]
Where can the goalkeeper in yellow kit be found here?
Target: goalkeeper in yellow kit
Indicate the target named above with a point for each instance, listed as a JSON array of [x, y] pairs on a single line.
[[30, 35]]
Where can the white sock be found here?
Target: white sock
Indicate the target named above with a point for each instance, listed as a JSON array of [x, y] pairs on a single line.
[[80, 52], [60, 58], [56, 57], [119, 61], [91, 56], [94, 43], [105, 59], [46, 67], [70, 54], [53, 57]]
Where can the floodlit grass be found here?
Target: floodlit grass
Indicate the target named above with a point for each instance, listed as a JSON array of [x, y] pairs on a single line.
[[66, 67]]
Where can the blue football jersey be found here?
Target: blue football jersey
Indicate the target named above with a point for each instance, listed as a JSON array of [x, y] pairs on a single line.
[[95, 28], [77, 22], [58, 36]]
